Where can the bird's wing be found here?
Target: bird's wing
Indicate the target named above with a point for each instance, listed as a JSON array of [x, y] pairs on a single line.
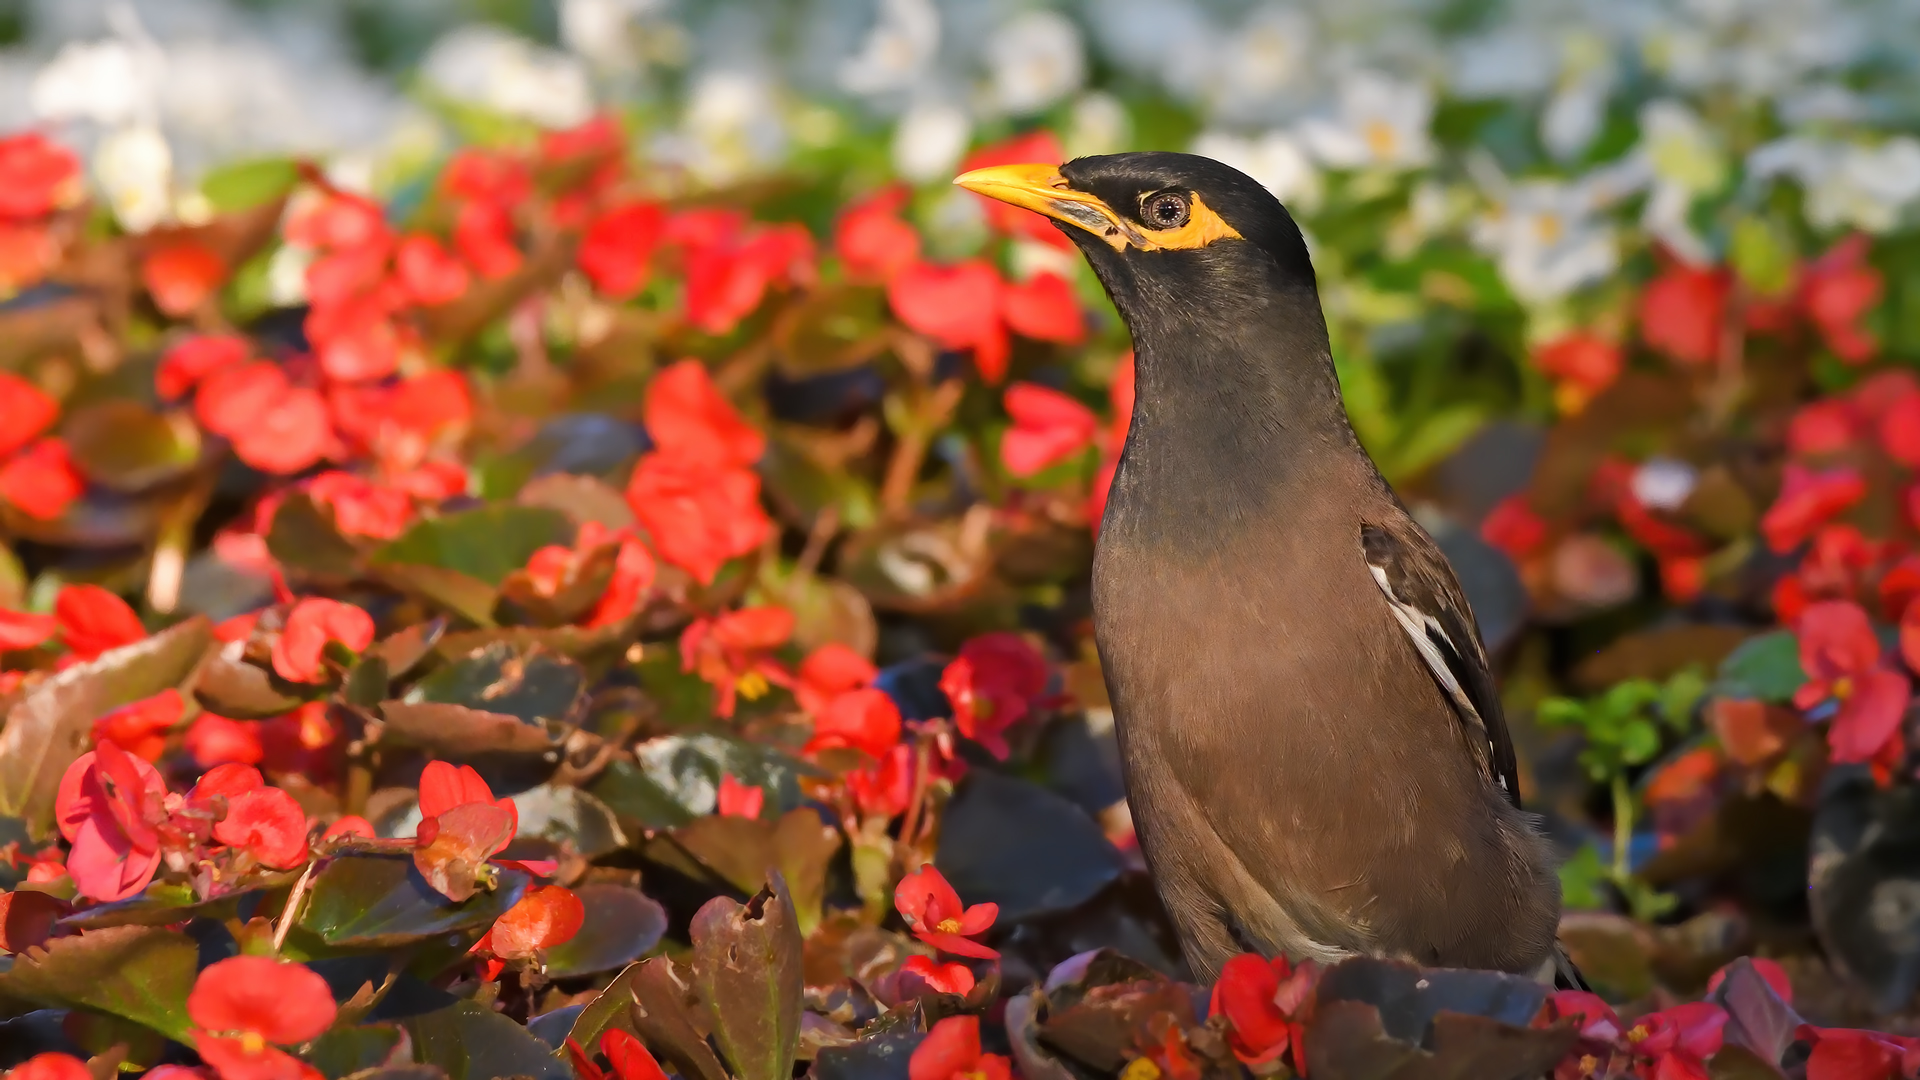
[[1427, 603]]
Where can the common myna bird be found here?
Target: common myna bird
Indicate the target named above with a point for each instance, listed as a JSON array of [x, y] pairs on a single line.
[[1315, 754]]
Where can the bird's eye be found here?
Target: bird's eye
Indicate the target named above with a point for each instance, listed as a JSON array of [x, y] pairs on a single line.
[[1167, 210]]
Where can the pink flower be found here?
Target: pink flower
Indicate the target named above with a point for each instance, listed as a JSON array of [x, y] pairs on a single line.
[[107, 805]]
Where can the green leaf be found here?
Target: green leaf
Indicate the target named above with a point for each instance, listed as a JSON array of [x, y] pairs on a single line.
[[652, 1000], [1766, 668], [628, 791], [529, 683], [1016, 844], [304, 538], [380, 901], [47, 730], [1583, 880], [487, 543], [746, 965], [621, 925], [124, 446], [472, 1042], [689, 767], [463, 595], [138, 973], [247, 184], [1761, 257], [345, 1051], [569, 816]]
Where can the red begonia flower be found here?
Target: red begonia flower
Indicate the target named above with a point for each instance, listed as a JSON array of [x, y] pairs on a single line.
[[884, 788], [864, 719], [1851, 1054], [1033, 147], [627, 1054], [141, 727], [958, 306], [219, 740], [267, 824], [872, 241], [41, 481], [733, 652], [1807, 501], [341, 220], [1677, 1041], [951, 1051], [243, 1005], [1260, 998], [37, 176], [183, 366], [180, 276], [361, 507], [1048, 427], [93, 620], [461, 826], [488, 176], [25, 412], [829, 671], [698, 517], [1514, 527], [616, 251], [689, 418], [1900, 430], [106, 806], [992, 685], [1820, 427], [1769, 971], [1681, 313], [725, 282], [484, 235], [922, 974], [1582, 358], [736, 799], [427, 272], [633, 573], [25, 629], [51, 1065], [935, 915], [1836, 290], [312, 623], [1044, 308], [274, 426], [546, 916]]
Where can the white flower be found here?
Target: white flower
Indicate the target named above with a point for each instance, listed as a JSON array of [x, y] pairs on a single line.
[[1381, 122], [1259, 64], [1663, 483], [1544, 237], [1275, 160], [604, 31], [111, 82], [898, 49], [1098, 124], [135, 169], [1686, 161], [928, 141], [733, 127], [489, 67], [1035, 60], [1579, 104], [1847, 185]]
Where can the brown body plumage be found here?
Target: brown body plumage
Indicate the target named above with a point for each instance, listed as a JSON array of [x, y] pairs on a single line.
[[1316, 761]]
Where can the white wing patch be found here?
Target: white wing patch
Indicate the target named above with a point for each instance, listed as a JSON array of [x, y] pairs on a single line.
[[1426, 633]]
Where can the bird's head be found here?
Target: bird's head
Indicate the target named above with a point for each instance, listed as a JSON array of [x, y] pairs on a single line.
[[1170, 235]]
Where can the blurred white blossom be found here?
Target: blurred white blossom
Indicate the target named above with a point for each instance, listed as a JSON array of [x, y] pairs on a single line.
[[1275, 159], [1846, 184], [134, 167], [904, 40], [110, 82], [489, 67], [1380, 122], [1097, 124], [929, 139], [1035, 60], [733, 127], [1545, 237]]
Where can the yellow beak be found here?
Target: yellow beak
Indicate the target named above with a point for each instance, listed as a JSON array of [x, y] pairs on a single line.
[[1042, 189]]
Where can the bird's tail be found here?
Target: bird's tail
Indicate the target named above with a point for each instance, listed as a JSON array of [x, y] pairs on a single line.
[[1565, 975]]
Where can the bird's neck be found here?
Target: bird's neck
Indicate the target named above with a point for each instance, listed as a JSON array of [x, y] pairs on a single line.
[[1231, 411]]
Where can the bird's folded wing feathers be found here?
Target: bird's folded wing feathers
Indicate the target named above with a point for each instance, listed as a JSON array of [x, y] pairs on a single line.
[[1426, 601]]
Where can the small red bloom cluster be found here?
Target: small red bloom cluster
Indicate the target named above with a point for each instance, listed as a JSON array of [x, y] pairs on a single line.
[[696, 494]]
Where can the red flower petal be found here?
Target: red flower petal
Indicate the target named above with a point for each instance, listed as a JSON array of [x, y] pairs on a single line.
[[1869, 716], [629, 1057], [617, 250], [444, 786], [25, 412], [1048, 427], [1681, 313], [428, 273], [196, 358], [141, 727], [281, 1002], [217, 740], [861, 719], [24, 629], [829, 671], [950, 1050], [1044, 308], [93, 620], [180, 276], [740, 800], [687, 417], [50, 1065], [872, 241], [1584, 359], [268, 825], [938, 977], [957, 306], [484, 234], [312, 623], [1836, 638], [1807, 501], [41, 481], [697, 517], [37, 176], [453, 847], [546, 916]]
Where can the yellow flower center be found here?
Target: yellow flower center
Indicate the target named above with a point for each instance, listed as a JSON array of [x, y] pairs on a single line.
[[1381, 138], [1550, 228], [948, 926], [1843, 687], [252, 1042], [752, 685], [1588, 1064], [1638, 1033]]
